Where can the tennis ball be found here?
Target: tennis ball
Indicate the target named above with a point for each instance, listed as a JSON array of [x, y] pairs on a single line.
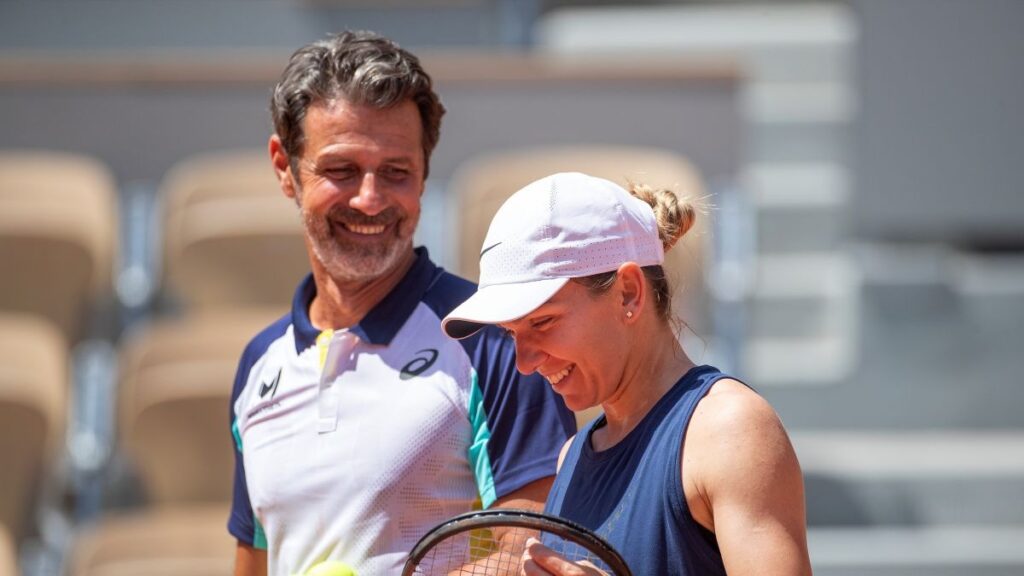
[[331, 568]]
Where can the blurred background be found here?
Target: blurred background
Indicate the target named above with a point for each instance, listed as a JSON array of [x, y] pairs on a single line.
[[861, 263]]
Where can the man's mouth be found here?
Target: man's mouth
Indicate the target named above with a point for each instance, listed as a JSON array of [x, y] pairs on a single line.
[[359, 224], [364, 229]]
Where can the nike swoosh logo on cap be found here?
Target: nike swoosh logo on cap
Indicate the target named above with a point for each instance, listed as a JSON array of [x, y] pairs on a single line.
[[484, 251]]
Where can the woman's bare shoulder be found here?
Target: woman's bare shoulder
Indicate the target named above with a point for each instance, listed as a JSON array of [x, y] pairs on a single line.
[[736, 427]]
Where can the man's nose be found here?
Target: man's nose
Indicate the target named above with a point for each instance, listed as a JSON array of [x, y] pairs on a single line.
[[369, 199]]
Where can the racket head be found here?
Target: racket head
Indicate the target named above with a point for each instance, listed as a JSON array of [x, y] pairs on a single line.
[[465, 544]]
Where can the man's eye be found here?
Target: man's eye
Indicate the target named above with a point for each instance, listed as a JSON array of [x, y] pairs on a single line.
[[343, 173], [394, 172]]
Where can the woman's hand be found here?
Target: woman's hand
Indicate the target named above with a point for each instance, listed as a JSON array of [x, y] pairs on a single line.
[[539, 560]]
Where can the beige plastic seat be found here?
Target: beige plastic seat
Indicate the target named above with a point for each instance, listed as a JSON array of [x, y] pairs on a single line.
[[234, 253], [176, 382], [188, 541], [58, 232], [33, 398], [8, 557], [482, 184], [231, 238]]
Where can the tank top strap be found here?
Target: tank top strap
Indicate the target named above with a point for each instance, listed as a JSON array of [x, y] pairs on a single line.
[[572, 456], [671, 435]]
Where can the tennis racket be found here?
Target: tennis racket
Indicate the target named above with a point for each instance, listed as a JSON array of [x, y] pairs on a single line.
[[492, 542]]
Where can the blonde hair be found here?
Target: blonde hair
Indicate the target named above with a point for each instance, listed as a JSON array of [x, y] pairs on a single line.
[[675, 217]]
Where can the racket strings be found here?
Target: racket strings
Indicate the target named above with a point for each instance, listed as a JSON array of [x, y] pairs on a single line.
[[496, 552]]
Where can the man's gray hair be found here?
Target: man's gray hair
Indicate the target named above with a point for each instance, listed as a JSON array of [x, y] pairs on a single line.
[[363, 68]]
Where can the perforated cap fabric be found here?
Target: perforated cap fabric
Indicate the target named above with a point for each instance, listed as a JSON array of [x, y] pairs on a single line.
[[563, 226]]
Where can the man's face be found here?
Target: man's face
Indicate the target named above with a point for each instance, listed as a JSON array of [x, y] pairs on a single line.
[[359, 183]]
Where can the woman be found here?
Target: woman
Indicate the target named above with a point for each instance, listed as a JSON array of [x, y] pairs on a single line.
[[688, 472]]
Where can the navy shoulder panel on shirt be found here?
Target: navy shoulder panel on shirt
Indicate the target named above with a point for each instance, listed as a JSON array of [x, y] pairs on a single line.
[[446, 291], [254, 350], [241, 521]]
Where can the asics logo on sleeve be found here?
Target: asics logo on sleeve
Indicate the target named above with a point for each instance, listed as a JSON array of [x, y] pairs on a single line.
[[264, 388], [418, 365]]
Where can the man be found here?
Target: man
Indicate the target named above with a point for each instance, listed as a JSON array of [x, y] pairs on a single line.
[[358, 425]]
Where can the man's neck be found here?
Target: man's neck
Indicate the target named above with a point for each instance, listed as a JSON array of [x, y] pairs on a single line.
[[342, 303]]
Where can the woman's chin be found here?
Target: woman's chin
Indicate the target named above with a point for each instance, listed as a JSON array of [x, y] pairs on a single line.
[[576, 404]]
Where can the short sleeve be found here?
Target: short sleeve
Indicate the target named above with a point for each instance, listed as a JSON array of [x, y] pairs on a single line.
[[519, 423], [242, 522]]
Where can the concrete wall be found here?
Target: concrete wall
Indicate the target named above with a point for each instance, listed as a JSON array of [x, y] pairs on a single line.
[[940, 141]]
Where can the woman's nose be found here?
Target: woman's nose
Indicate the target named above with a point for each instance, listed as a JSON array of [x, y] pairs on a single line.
[[528, 357]]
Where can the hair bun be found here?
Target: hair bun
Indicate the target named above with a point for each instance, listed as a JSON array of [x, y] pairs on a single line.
[[675, 216]]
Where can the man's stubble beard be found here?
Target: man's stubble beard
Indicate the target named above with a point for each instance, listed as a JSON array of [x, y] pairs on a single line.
[[349, 261]]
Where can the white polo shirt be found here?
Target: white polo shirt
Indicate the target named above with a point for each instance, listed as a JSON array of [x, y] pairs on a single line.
[[352, 443]]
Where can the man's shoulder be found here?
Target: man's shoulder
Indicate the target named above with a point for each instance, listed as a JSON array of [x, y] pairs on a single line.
[[261, 342], [446, 291], [256, 349]]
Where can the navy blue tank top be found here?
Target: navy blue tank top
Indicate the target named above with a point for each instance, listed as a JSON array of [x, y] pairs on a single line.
[[632, 493]]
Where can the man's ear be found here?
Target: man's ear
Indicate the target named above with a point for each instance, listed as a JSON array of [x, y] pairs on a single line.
[[281, 162], [632, 289]]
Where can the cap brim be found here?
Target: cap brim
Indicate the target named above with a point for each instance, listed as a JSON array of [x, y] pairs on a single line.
[[499, 303]]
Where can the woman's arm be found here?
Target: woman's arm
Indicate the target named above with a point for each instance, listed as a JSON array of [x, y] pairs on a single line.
[[742, 481]]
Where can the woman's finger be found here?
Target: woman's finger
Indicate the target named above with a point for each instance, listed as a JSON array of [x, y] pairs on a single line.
[[549, 562]]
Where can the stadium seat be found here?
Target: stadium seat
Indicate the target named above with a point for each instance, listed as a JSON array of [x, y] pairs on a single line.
[[231, 238], [483, 183], [189, 541], [33, 396], [176, 382], [8, 557], [233, 253], [58, 230]]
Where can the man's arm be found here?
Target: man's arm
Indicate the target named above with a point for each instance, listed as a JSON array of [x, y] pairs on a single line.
[[504, 561], [742, 480], [529, 497], [250, 561]]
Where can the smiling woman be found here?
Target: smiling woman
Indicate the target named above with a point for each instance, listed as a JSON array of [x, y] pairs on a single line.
[[688, 471]]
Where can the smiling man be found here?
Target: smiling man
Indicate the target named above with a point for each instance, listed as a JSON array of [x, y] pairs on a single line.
[[358, 426]]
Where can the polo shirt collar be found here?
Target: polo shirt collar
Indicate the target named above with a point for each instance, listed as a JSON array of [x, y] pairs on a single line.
[[381, 323]]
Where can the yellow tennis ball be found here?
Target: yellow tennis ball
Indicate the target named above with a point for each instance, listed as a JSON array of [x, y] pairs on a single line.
[[331, 568]]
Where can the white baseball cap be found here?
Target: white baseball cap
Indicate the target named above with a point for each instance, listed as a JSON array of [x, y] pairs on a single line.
[[563, 226]]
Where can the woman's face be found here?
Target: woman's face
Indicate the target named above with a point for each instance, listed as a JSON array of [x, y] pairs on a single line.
[[576, 340]]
